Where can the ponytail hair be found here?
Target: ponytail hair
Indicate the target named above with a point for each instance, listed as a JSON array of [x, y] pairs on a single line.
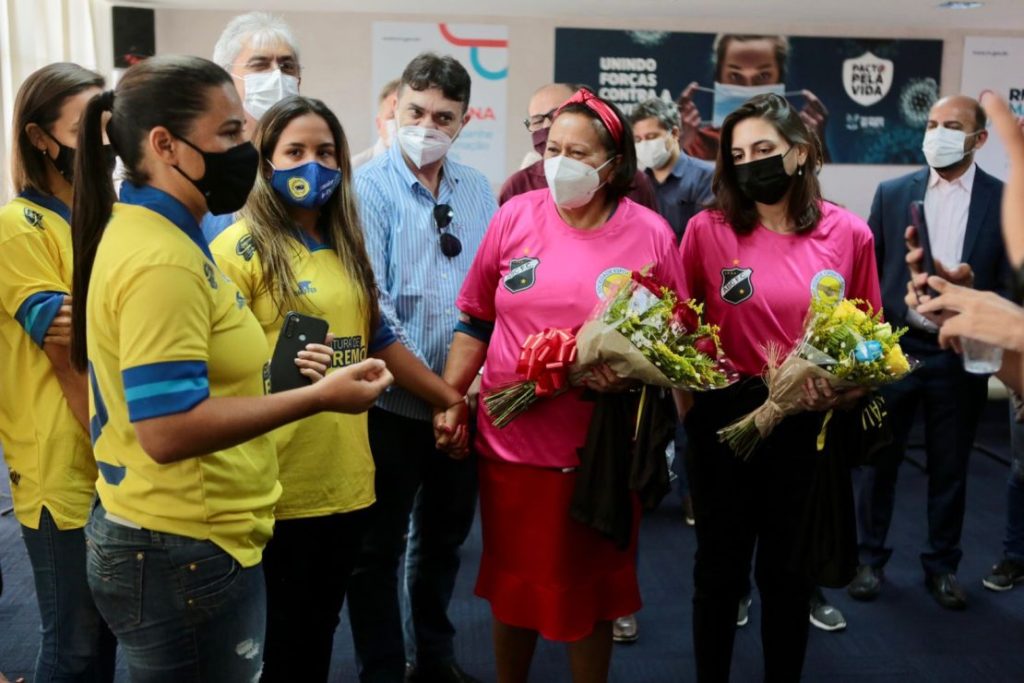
[[93, 203], [168, 91]]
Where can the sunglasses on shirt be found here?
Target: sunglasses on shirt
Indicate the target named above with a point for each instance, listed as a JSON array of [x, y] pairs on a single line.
[[450, 244]]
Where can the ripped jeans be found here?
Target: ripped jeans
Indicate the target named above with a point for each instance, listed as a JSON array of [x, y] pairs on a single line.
[[183, 610]]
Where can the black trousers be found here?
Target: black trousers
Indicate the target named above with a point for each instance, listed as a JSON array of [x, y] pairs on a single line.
[[953, 401], [426, 501], [307, 565], [740, 506]]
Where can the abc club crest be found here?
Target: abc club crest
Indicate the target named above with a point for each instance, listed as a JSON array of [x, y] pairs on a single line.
[[737, 284], [522, 274]]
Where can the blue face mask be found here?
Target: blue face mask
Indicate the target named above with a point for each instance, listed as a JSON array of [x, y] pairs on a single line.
[[729, 98], [308, 186]]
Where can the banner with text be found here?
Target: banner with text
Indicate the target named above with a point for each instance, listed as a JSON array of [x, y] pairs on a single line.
[[867, 98], [995, 64], [483, 50]]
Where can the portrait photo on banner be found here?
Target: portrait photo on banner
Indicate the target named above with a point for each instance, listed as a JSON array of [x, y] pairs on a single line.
[[868, 99]]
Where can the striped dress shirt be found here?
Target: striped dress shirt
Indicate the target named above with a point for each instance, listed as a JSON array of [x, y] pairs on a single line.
[[418, 284]]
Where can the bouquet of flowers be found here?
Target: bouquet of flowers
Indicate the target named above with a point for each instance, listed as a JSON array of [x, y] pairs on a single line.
[[846, 343], [643, 332]]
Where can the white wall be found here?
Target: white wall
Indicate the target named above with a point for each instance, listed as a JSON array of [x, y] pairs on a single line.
[[336, 53]]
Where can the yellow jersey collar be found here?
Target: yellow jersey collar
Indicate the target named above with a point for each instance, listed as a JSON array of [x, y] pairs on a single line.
[[167, 206]]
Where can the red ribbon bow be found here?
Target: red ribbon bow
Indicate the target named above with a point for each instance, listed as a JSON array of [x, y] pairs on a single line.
[[546, 358]]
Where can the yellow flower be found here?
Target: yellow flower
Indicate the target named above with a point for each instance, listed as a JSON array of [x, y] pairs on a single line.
[[897, 362], [847, 312]]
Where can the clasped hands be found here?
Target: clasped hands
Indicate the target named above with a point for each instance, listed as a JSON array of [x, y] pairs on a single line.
[[451, 423]]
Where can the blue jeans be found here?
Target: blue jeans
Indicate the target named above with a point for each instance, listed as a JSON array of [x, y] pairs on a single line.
[[183, 610], [414, 482], [76, 643], [1014, 544]]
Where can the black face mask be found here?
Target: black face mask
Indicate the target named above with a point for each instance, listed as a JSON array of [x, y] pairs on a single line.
[[65, 161], [540, 140], [228, 178], [764, 181]]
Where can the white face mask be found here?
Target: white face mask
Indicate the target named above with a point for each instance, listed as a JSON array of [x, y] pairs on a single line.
[[944, 147], [265, 89], [653, 154], [572, 183], [422, 145]]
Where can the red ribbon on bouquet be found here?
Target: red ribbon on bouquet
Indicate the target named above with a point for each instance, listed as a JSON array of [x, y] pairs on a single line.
[[648, 281], [546, 358]]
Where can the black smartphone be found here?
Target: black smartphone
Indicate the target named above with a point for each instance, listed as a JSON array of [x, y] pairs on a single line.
[[916, 210], [296, 331]]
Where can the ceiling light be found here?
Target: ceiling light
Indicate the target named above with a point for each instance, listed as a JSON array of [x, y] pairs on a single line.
[[961, 4]]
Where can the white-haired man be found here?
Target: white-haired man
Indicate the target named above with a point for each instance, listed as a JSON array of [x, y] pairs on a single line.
[[259, 50]]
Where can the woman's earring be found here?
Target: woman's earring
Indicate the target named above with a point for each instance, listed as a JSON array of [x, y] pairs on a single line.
[[800, 171]]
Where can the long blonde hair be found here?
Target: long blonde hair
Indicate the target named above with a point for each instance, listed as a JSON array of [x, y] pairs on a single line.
[[274, 235]]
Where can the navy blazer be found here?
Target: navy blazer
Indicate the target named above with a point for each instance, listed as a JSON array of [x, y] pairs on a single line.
[[983, 242]]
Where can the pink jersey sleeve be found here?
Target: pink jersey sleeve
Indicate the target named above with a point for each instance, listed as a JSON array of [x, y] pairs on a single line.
[[689, 260], [477, 295], [669, 266]]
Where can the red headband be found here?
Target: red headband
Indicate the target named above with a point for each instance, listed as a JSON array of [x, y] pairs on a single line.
[[589, 100]]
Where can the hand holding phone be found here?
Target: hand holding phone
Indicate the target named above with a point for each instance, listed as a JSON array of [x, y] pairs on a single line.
[[297, 331], [917, 238]]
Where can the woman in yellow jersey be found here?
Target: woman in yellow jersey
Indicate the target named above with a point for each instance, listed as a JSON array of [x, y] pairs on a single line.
[[188, 470], [299, 247], [43, 400]]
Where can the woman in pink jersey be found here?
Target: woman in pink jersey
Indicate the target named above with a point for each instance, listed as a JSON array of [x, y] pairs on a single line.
[[755, 260], [548, 257]]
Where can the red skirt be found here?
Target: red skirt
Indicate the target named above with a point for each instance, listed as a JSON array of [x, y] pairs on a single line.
[[542, 570]]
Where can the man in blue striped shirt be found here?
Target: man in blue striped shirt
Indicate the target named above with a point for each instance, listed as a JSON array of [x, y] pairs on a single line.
[[424, 216]]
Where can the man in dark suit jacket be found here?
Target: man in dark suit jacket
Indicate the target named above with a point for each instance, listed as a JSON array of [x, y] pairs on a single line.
[[961, 209]]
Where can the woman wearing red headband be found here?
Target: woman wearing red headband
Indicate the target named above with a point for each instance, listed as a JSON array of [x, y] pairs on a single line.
[[548, 257]]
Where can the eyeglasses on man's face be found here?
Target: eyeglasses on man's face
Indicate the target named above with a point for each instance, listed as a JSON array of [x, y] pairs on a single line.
[[262, 63], [536, 122]]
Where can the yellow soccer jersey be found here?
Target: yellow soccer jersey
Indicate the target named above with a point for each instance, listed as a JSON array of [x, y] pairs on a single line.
[[47, 451], [166, 330], [326, 465]]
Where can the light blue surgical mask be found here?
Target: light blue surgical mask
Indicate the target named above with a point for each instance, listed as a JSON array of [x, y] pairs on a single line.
[[308, 186], [729, 98]]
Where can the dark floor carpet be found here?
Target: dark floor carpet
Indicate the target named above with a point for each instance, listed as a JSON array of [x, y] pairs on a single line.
[[903, 637]]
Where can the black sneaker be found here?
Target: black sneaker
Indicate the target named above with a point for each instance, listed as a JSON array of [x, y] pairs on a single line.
[[867, 584], [825, 616], [1004, 574], [743, 612]]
